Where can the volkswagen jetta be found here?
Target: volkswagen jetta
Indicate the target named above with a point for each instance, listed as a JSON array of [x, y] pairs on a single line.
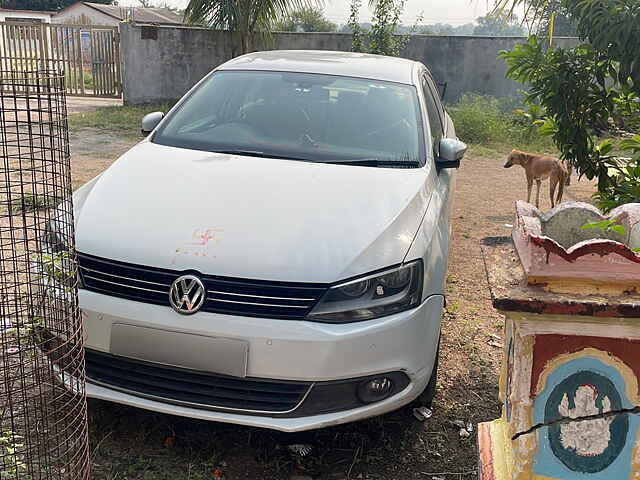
[[274, 252]]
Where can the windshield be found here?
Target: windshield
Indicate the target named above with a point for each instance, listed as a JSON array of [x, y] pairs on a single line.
[[321, 118]]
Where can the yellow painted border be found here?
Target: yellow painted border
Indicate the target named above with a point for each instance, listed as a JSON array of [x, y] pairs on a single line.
[[635, 460], [500, 450], [578, 286], [631, 382], [526, 319]]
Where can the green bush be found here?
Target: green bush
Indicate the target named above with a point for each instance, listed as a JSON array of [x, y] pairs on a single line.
[[623, 184], [87, 77], [489, 120], [479, 119]]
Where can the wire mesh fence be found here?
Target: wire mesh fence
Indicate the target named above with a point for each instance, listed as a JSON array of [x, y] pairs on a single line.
[[43, 420]]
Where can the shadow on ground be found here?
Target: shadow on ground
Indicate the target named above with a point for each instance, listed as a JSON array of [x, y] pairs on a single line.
[[133, 443]]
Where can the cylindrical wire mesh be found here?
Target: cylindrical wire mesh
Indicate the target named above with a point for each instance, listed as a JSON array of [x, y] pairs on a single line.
[[43, 419]]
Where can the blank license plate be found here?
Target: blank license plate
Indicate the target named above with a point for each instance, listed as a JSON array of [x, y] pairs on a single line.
[[225, 356]]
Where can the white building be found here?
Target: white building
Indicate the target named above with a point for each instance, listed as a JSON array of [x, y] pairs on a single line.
[[86, 13], [7, 15]]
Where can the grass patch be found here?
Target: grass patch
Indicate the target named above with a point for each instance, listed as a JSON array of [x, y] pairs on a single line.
[[87, 79], [116, 118], [75, 76], [490, 121], [31, 203]]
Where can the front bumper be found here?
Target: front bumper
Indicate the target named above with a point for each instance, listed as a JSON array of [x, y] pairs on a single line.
[[283, 350], [283, 424]]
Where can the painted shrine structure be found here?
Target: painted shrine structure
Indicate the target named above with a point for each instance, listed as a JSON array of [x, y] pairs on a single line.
[[569, 384]]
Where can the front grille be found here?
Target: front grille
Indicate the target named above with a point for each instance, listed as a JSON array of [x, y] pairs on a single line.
[[190, 387], [257, 298]]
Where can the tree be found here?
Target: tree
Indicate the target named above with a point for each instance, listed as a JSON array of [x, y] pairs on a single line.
[[499, 26], [381, 39], [164, 4], [307, 19], [583, 87], [44, 5], [563, 25], [246, 19]]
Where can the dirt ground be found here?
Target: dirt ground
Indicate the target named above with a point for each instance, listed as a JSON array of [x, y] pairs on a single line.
[[86, 104], [128, 443]]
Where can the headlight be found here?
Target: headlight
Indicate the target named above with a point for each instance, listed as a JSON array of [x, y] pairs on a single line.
[[55, 261], [53, 241], [373, 296]]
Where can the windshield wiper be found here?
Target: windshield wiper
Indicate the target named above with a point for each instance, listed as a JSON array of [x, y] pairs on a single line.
[[366, 162], [246, 153], [258, 153], [376, 162]]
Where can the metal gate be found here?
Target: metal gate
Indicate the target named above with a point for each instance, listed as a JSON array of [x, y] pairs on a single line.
[[89, 55]]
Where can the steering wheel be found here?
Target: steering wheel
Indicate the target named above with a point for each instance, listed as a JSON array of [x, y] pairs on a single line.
[[402, 122], [267, 118], [235, 127]]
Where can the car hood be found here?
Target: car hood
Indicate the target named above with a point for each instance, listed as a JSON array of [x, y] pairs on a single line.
[[250, 217]]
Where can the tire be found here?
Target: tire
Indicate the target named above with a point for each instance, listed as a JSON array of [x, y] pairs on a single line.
[[425, 399]]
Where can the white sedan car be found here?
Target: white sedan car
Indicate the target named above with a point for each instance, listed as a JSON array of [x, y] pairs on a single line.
[[274, 252]]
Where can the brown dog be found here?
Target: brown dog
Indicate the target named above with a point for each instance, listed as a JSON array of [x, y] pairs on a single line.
[[539, 168]]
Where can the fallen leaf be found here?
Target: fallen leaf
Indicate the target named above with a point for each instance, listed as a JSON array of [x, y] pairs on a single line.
[[218, 473], [169, 441]]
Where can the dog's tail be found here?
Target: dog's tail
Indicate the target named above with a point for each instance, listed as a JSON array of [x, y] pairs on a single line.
[[569, 168]]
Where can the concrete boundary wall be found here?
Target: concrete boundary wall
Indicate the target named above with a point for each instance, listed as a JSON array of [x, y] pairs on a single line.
[[162, 63]]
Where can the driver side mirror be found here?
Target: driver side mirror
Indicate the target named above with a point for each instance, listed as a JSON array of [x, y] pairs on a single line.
[[451, 152], [151, 121]]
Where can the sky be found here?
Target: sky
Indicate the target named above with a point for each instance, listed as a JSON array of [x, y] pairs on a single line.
[[454, 12]]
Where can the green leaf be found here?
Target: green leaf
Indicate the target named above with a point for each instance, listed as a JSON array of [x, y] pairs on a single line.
[[605, 226], [597, 225], [619, 229]]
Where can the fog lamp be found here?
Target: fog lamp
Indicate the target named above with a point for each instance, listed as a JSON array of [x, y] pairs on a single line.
[[375, 389]]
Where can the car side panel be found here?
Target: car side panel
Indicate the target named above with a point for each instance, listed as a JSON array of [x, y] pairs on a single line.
[[432, 241]]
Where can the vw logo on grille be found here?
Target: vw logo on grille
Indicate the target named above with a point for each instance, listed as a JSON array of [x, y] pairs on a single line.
[[187, 294]]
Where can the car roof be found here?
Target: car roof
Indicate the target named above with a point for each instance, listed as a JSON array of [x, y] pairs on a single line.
[[350, 64]]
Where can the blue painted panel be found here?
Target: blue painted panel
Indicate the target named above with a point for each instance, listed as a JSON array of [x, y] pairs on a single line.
[[581, 387]]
